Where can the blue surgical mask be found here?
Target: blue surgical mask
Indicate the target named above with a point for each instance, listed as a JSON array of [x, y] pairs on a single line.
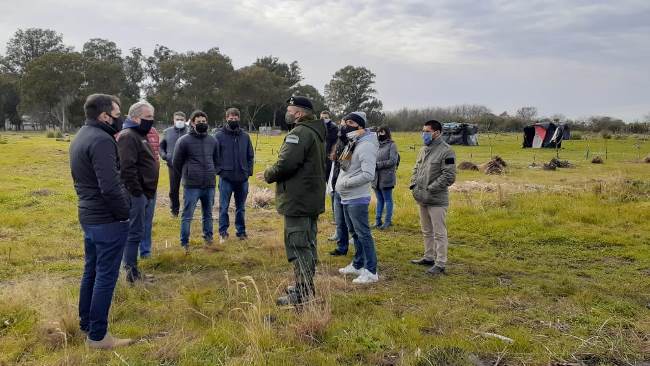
[[427, 137]]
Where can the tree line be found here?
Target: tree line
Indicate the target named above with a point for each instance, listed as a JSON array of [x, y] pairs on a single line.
[[411, 119], [43, 79]]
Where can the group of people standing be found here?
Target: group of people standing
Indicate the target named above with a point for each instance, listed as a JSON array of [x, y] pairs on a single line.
[[115, 169]]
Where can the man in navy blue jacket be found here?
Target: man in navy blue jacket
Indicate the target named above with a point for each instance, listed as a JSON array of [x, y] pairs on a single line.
[[235, 166], [103, 215]]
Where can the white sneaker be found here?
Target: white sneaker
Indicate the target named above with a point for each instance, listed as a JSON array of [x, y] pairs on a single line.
[[349, 269], [366, 277]]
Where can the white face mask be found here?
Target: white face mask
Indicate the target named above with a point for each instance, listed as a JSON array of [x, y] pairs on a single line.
[[179, 124]]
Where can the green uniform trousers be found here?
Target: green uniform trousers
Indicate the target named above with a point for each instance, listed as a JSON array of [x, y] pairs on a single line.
[[300, 244]]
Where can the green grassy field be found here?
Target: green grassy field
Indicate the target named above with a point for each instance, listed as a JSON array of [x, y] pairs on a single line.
[[557, 261]]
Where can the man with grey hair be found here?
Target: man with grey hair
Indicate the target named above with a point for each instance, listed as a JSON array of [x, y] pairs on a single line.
[[139, 172]]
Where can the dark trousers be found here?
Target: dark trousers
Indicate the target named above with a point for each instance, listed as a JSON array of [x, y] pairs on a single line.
[[174, 189], [145, 244], [137, 215], [342, 235], [226, 190], [300, 244], [103, 247]]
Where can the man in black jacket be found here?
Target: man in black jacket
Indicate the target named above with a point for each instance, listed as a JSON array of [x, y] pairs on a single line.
[[170, 137], [103, 215], [139, 172], [235, 166], [196, 158], [331, 136]]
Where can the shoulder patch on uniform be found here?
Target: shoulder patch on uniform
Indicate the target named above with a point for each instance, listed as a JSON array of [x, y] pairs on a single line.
[[450, 161], [292, 139]]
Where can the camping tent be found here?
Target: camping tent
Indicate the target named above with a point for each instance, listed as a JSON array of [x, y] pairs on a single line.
[[546, 134], [460, 134]]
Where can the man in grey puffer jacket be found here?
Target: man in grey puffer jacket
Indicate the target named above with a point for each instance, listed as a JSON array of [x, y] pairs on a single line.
[[358, 163], [434, 172]]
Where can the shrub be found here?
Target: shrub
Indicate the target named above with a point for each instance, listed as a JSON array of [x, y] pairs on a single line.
[[576, 135], [606, 134], [49, 134]]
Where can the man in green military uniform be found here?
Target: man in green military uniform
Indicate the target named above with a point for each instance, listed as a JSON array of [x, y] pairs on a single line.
[[299, 175]]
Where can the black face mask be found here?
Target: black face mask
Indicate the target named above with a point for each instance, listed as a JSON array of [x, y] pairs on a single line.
[[201, 128], [347, 129], [117, 123], [233, 124], [382, 137], [145, 126]]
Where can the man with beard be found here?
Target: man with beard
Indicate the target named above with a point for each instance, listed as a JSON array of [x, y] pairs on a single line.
[[103, 215]]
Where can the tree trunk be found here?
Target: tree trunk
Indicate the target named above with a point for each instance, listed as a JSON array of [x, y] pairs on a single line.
[[63, 120]]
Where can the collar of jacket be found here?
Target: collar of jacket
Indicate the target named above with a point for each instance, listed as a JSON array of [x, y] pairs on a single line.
[[102, 126], [306, 119], [128, 123], [228, 130], [180, 129]]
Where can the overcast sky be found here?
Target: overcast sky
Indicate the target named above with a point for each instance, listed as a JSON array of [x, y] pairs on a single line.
[[574, 57]]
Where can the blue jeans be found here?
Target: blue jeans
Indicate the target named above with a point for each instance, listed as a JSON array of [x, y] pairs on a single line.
[[145, 244], [356, 218], [226, 190], [190, 197], [343, 239], [136, 231], [103, 248], [384, 197]]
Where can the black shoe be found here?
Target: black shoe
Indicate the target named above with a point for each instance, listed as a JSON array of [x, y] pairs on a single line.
[[376, 225], [423, 262], [174, 214], [243, 237], [385, 226], [293, 298], [436, 271], [337, 253], [208, 241], [133, 275]]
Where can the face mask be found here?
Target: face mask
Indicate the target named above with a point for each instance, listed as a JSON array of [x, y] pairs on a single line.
[[289, 118], [382, 137], [116, 123], [179, 124], [350, 132], [201, 127], [145, 126], [233, 124], [427, 137]]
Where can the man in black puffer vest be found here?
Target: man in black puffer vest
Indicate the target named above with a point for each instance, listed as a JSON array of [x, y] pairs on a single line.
[[196, 158]]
